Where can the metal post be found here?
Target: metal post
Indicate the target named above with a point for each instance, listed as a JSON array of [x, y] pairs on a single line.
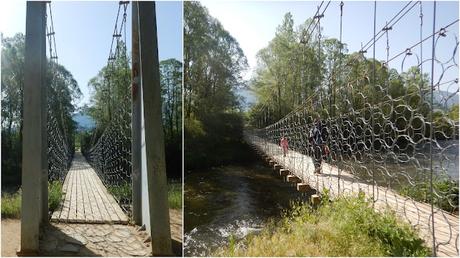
[[156, 167], [34, 208], [136, 120]]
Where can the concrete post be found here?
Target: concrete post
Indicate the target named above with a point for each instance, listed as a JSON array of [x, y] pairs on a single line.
[[136, 127], [34, 167], [156, 167]]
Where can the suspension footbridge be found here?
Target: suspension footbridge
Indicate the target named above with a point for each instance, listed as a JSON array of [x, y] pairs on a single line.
[[399, 149]]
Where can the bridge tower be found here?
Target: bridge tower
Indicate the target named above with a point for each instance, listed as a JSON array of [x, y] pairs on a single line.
[[34, 166]]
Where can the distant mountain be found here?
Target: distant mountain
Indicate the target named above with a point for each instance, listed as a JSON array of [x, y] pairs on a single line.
[[84, 122], [445, 99], [248, 98]]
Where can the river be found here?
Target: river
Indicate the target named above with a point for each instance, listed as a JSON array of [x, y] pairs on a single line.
[[231, 201]]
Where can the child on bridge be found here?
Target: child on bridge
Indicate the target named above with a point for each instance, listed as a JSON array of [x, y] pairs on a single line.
[[284, 145]]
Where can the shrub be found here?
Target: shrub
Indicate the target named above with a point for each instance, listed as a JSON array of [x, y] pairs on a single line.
[[446, 188]]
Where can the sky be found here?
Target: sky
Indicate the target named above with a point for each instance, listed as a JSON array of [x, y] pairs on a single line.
[[253, 24], [84, 33]]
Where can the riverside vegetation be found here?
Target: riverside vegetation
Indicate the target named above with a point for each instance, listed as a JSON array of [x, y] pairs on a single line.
[[347, 226]]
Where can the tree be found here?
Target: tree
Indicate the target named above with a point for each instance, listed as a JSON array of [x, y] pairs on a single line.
[[213, 62], [63, 92], [171, 82], [213, 66]]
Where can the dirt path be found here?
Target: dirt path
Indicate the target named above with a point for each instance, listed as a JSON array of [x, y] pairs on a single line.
[[85, 239], [11, 236]]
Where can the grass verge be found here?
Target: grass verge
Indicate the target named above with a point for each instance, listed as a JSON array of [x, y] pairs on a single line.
[[11, 203], [123, 193], [346, 227], [175, 195], [54, 195]]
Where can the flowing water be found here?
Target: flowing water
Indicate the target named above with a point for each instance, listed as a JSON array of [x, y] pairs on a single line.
[[231, 201]]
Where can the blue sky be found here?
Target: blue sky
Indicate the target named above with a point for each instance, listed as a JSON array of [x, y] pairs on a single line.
[[253, 24], [84, 32]]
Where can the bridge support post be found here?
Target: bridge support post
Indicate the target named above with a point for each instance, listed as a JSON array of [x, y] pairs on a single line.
[[156, 167], [136, 144], [34, 207]]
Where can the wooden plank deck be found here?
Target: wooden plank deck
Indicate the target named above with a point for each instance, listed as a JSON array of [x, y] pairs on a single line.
[[86, 199], [339, 182]]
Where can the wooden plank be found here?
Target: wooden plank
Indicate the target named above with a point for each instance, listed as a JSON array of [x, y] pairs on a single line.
[[73, 200], [97, 217], [86, 201], [103, 193], [80, 204], [66, 205], [100, 204]]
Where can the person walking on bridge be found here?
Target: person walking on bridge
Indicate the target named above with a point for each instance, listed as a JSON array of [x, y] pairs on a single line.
[[317, 146], [284, 145]]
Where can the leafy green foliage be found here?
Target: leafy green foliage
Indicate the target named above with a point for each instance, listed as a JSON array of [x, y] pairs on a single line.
[[111, 89], [171, 85], [453, 113], [213, 62], [348, 226]]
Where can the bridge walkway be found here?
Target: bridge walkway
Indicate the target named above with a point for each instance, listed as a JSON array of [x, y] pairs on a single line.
[[339, 181], [86, 198]]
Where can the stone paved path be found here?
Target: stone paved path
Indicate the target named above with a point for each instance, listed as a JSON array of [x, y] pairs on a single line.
[[63, 239], [75, 239], [86, 198]]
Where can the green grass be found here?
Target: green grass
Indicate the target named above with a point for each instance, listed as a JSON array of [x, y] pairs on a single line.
[[446, 188], [11, 203], [346, 227], [175, 195], [54, 194], [121, 192]]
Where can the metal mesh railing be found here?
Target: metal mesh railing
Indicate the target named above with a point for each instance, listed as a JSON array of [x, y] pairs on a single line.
[[60, 146], [110, 156]]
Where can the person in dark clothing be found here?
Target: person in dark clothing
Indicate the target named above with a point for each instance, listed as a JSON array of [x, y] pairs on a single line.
[[317, 146]]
